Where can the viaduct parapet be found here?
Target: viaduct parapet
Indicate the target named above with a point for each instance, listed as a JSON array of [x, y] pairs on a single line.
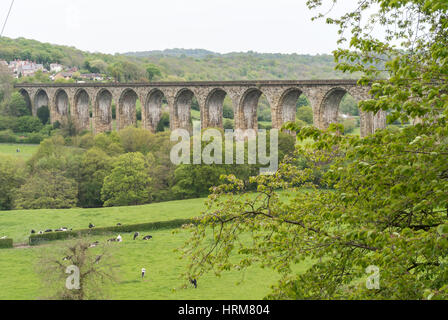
[[91, 103]]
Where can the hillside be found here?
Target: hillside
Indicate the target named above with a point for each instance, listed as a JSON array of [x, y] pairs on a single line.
[[175, 64]]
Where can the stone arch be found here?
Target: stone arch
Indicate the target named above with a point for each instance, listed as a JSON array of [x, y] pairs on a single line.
[[152, 109], [41, 99], [81, 109], [329, 107], [182, 109], [127, 109], [26, 95], [62, 105], [246, 114], [214, 107], [102, 111]]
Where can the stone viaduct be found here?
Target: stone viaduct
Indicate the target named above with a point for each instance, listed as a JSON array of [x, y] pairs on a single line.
[[76, 101]]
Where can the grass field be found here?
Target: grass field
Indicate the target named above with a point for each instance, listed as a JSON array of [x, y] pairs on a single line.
[[18, 279], [26, 150]]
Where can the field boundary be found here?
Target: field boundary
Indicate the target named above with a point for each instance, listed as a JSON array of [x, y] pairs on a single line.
[[37, 239]]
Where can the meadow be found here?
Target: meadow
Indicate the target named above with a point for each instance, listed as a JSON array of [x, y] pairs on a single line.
[[26, 150], [19, 280]]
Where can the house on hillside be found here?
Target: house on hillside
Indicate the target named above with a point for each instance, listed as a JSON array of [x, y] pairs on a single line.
[[92, 76], [56, 67], [25, 68]]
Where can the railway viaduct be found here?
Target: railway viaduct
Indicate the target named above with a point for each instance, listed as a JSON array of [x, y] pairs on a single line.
[[90, 103]]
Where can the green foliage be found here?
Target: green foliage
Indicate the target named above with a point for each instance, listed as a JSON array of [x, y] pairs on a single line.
[[349, 125], [152, 71], [387, 206], [349, 106], [7, 136], [47, 189], [135, 140], [164, 122], [128, 183], [12, 175], [43, 113], [227, 112], [6, 243], [37, 239], [305, 114], [17, 106], [27, 124], [95, 166]]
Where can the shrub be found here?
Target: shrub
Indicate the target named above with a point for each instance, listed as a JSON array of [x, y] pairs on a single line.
[[27, 124], [7, 136], [349, 125], [305, 114], [7, 122], [43, 113], [36, 239], [6, 243], [34, 138]]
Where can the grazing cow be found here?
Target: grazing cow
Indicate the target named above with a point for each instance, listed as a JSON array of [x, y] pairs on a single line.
[[119, 239], [48, 230], [91, 226], [4, 237], [40, 232], [92, 245], [118, 224], [66, 258], [147, 237], [58, 230], [112, 240], [136, 235], [194, 282], [32, 231]]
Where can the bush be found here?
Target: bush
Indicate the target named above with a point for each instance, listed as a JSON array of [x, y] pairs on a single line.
[[35, 138], [349, 125], [43, 113], [8, 136], [6, 243], [305, 114], [28, 124], [7, 122], [36, 239]]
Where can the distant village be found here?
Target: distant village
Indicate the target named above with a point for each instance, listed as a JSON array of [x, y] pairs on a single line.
[[26, 68]]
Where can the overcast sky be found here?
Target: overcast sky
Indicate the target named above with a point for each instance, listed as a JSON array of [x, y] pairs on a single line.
[[137, 25]]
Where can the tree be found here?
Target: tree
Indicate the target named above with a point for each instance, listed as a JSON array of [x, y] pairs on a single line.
[[95, 166], [152, 71], [97, 271], [43, 113], [387, 206], [17, 106], [48, 189], [12, 175], [305, 114], [128, 183]]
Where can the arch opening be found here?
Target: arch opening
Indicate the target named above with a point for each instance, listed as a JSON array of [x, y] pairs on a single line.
[[182, 109], [127, 109], [254, 111], [62, 105], [82, 109], [103, 112], [339, 106], [26, 97], [155, 118], [216, 109]]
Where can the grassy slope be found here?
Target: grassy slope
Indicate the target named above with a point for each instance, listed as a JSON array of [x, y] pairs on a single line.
[[164, 268], [26, 150], [17, 224]]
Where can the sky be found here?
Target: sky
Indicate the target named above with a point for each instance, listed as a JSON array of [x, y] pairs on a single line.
[[113, 26]]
